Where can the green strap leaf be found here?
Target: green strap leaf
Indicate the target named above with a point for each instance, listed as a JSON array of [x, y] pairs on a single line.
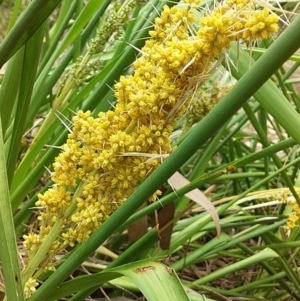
[[28, 23], [157, 282], [152, 278], [8, 248]]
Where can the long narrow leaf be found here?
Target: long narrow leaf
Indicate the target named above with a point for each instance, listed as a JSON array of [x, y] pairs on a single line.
[[152, 278], [32, 18], [8, 250], [30, 62]]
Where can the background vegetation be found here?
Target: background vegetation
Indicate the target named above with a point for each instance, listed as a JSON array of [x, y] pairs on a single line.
[[243, 156]]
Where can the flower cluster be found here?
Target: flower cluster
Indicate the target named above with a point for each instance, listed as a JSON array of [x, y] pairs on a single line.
[[294, 216], [202, 102], [105, 158], [284, 195], [30, 287], [111, 30]]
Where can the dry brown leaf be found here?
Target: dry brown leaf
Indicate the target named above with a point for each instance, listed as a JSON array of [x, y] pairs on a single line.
[[138, 228], [163, 217]]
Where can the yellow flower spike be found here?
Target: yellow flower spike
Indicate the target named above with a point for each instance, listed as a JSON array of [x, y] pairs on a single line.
[[106, 157]]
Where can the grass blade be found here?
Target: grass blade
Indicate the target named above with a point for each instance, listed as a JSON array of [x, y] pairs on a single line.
[[29, 22], [8, 249]]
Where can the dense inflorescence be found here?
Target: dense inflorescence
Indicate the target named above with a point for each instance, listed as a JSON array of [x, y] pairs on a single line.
[[202, 102], [294, 216], [285, 196], [105, 158]]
